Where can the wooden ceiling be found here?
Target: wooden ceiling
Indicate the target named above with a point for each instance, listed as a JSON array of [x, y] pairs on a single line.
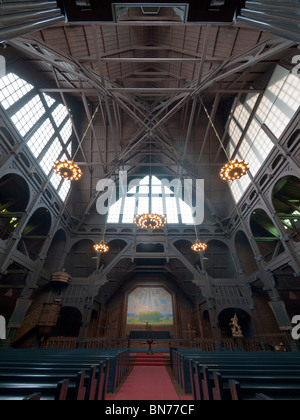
[[149, 80], [151, 61]]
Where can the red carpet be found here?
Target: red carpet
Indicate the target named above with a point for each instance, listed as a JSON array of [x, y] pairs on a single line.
[[144, 359], [146, 384]]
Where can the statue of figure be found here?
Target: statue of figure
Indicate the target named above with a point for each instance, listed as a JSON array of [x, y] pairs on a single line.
[[235, 328]]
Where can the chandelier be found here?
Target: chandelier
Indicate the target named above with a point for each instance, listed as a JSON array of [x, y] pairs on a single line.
[[199, 246], [68, 169], [101, 248], [150, 221], [233, 170]]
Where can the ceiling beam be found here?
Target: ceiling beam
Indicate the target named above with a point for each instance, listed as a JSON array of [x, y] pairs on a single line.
[[71, 118], [204, 51], [162, 47], [146, 164], [261, 52], [151, 60], [151, 90], [95, 92], [90, 122], [103, 81], [209, 125], [190, 126]]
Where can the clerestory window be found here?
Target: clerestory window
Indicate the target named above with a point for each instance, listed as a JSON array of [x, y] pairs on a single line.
[[277, 107], [43, 123], [163, 201]]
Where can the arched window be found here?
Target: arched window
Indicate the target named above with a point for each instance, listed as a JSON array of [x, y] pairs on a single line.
[[69, 322], [245, 253], [35, 233], [80, 261], [265, 234], [14, 198], [163, 201], [219, 260], [286, 202]]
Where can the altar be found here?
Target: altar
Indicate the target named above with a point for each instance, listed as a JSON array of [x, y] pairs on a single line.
[[149, 335], [159, 339]]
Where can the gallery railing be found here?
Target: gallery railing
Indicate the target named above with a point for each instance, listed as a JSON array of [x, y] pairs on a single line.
[[268, 342]]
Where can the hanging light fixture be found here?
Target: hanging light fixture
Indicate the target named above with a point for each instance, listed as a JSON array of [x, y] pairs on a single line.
[[101, 248], [150, 220], [199, 246], [234, 169], [67, 168]]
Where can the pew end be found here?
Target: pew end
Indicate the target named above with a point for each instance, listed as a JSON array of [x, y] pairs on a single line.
[[235, 389], [218, 391], [62, 390], [263, 397], [33, 397]]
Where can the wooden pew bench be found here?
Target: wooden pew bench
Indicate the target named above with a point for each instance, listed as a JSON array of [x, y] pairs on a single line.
[[182, 372], [236, 372], [12, 390], [276, 391], [119, 360], [17, 378], [78, 386], [283, 368], [210, 383]]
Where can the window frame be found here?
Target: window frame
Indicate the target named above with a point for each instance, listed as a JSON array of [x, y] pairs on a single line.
[[62, 131]]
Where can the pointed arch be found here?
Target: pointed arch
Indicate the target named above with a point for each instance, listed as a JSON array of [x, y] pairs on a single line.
[[166, 198]]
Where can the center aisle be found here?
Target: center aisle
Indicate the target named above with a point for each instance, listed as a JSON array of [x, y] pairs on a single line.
[[146, 383]]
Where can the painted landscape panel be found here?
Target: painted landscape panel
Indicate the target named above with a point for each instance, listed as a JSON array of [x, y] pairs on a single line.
[[150, 304]]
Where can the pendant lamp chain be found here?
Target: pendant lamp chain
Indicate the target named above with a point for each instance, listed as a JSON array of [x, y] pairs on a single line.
[[67, 168], [198, 246], [234, 169], [102, 248], [150, 220]]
